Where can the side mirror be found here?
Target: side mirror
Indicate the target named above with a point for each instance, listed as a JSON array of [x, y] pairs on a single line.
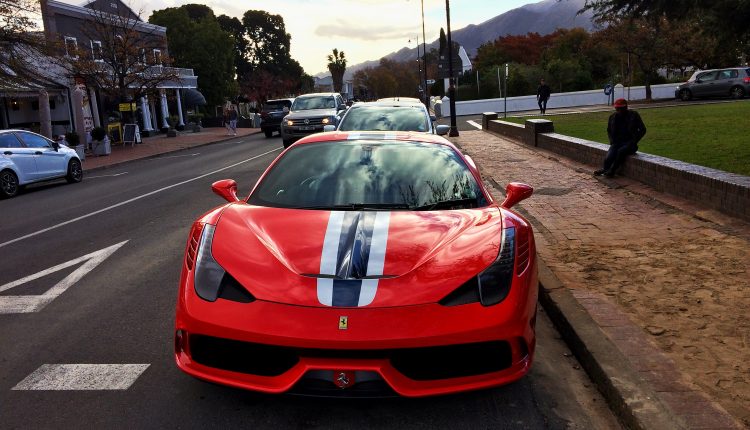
[[699, 81], [516, 192], [226, 188], [55, 146], [442, 130], [433, 118], [329, 128], [342, 106]]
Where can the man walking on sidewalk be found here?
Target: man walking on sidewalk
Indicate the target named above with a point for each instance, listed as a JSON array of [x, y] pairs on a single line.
[[233, 117], [542, 95], [625, 129]]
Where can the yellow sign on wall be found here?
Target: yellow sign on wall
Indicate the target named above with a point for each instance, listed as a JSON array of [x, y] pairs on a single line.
[[127, 107]]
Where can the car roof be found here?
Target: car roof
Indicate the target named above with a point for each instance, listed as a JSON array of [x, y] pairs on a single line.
[[389, 104], [397, 99], [289, 99], [318, 94]]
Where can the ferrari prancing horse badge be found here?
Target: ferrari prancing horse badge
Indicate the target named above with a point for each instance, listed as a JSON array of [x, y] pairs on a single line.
[[343, 323]]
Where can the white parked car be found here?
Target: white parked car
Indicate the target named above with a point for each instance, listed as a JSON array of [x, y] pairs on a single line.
[[27, 157], [389, 115]]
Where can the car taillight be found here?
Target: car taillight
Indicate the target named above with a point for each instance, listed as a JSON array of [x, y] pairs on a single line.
[[192, 246], [746, 80]]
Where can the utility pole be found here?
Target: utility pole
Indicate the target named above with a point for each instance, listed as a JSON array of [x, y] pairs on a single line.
[[452, 87], [424, 61]]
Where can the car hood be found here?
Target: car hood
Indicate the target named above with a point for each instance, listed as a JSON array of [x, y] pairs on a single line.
[[355, 258], [311, 113]]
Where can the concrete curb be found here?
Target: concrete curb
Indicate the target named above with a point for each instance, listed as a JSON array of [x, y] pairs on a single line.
[[635, 404], [120, 163]]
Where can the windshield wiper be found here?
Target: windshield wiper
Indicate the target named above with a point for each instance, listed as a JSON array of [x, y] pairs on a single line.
[[449, 204], [360, 206]]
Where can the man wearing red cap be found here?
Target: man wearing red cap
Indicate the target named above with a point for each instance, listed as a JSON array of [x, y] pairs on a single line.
[[625, 129]]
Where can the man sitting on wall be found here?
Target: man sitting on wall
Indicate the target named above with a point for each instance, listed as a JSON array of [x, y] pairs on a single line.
[[625, 129]]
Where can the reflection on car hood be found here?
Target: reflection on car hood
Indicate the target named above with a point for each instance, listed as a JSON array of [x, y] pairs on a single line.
[[311, 113], [292, 256]]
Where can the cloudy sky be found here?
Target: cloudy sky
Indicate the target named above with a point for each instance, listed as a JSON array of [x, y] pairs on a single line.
[[363, 29]]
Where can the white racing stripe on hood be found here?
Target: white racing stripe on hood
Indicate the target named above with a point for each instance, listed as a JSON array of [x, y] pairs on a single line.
[[329, 256]]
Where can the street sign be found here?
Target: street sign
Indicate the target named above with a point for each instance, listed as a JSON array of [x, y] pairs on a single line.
[[430, 82]]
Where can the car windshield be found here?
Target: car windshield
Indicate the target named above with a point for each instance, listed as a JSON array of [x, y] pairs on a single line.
[[316, 102], [385, 118], [369, 175]]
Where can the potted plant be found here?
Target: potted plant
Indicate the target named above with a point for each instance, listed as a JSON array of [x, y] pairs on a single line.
[[100, 141], [195, 121], [73, 142], [172, 121]]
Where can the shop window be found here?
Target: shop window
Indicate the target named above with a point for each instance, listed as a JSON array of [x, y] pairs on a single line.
[[157, 57], [96, 50]]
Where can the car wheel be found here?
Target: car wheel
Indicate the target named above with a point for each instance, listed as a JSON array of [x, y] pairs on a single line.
[[286, 143], [268, 133], [8, 184], [685, 95], [737, 92], [75, 173]]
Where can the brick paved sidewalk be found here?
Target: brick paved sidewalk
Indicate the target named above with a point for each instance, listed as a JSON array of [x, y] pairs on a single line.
[[161, 144], [666, 280]]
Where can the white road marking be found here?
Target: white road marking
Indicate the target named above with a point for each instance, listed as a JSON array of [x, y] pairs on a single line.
[[107, 176], [35, 303], [474, 124], [173, 156], [142, 196], [82, 377]]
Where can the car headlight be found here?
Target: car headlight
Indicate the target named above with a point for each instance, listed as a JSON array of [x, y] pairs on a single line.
[[289, 122], [208, 273], [494, 282], [326, 121]]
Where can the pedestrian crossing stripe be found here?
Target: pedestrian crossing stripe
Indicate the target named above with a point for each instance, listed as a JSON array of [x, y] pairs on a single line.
[[67, 377], [35, 303]]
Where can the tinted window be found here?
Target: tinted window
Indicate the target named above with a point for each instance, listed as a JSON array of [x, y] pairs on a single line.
[[8, 140], [728, 74], [34, 141], [382, 174], [276, 105], [317, 102], [747, 71], [708, 76], [385, 118]]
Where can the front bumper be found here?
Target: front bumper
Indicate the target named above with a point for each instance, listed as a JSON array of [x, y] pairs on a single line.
[[413, 350]]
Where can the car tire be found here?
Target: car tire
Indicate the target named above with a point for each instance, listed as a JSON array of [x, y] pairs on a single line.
[[268, 133], [75, 173], [737, 92], [8, 184], [685, 95]]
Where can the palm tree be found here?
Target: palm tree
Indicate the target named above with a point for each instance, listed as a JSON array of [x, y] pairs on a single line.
[[337, 67]]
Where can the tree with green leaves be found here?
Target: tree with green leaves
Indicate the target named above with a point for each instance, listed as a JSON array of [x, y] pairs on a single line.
[[193, 31], [265, 67], [337, 67], [726, 20]]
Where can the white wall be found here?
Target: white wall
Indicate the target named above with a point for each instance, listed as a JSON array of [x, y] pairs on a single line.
[[557, 100]]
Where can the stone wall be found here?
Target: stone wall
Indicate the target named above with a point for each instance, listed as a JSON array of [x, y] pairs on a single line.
[[716, 189]]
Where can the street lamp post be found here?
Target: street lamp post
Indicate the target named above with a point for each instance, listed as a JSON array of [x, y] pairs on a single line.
[[424, 61], [452, 87]]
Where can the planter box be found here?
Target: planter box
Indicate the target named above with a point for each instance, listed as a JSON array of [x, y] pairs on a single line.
[[101, 147], [81, 151]]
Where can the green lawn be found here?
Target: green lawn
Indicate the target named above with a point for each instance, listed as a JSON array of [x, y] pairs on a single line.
[[711, 135]]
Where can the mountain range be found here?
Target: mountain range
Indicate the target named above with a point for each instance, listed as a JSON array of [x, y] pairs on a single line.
[[543, 17]]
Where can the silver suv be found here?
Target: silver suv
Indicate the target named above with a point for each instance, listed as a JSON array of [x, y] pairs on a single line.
[[309, 114], [733, 82]]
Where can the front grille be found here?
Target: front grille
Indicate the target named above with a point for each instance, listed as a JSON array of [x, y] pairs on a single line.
[[420, 364], [313, 121], [242, 357]]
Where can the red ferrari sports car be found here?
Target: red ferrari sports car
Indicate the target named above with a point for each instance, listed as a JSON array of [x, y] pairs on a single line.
[[361, 264]]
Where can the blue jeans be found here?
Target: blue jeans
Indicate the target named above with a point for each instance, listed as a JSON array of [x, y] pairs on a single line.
[[616, 155]]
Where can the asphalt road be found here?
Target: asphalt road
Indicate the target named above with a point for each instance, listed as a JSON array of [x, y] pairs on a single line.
[[116, 307]]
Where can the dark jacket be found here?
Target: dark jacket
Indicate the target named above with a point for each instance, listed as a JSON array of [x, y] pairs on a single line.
[[543, 92], [627, 131]]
